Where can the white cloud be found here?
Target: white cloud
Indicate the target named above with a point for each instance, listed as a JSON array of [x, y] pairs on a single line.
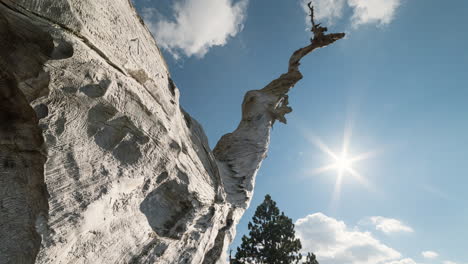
[[449, 262], [325, 9], [387, 225], [373, 11], [197, 26], [402, 261], [333, 242], [379, 12], [429, 254]]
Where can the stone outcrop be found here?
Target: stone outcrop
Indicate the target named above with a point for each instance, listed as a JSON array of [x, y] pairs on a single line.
[[98, 161]]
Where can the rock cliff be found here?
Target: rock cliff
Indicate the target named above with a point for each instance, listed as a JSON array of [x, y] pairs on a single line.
[[98, 161]]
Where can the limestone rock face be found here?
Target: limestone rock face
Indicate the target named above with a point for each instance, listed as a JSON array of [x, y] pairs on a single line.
[[98, 162]]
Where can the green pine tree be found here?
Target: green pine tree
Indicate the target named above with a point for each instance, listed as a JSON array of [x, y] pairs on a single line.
[[310, 259], [271, 238]]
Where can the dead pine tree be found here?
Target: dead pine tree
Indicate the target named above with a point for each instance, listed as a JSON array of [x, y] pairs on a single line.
[[243, 150], [280, 87]]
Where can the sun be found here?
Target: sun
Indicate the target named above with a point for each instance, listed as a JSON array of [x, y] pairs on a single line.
[[342, 162]]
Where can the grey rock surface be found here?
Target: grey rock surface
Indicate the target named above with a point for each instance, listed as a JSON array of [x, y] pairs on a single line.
[[24, 47], [99, 163]]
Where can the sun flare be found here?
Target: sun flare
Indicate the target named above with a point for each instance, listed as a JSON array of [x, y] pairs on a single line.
[[342, 162]]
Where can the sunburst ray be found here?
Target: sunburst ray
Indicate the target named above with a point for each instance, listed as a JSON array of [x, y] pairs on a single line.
[[342, 162]]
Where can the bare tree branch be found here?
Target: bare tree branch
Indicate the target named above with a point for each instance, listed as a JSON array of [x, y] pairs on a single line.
[[280, 87], [311, 8], [241, 152]]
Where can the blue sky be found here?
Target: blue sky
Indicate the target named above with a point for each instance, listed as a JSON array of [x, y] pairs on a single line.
[[399, 80]]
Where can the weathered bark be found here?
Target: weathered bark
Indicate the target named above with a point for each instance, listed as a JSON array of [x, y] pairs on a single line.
[[241, 152]]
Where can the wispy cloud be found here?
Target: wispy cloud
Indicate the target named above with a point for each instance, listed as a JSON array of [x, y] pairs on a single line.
[[197, 25], [378, 12], [403, 261], [429, 254], [387, 225], [325, 9], [333, 242], [436, 192], [375, 11]]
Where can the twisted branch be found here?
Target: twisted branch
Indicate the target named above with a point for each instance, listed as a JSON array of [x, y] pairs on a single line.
[[241, 152], [281, 86]]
